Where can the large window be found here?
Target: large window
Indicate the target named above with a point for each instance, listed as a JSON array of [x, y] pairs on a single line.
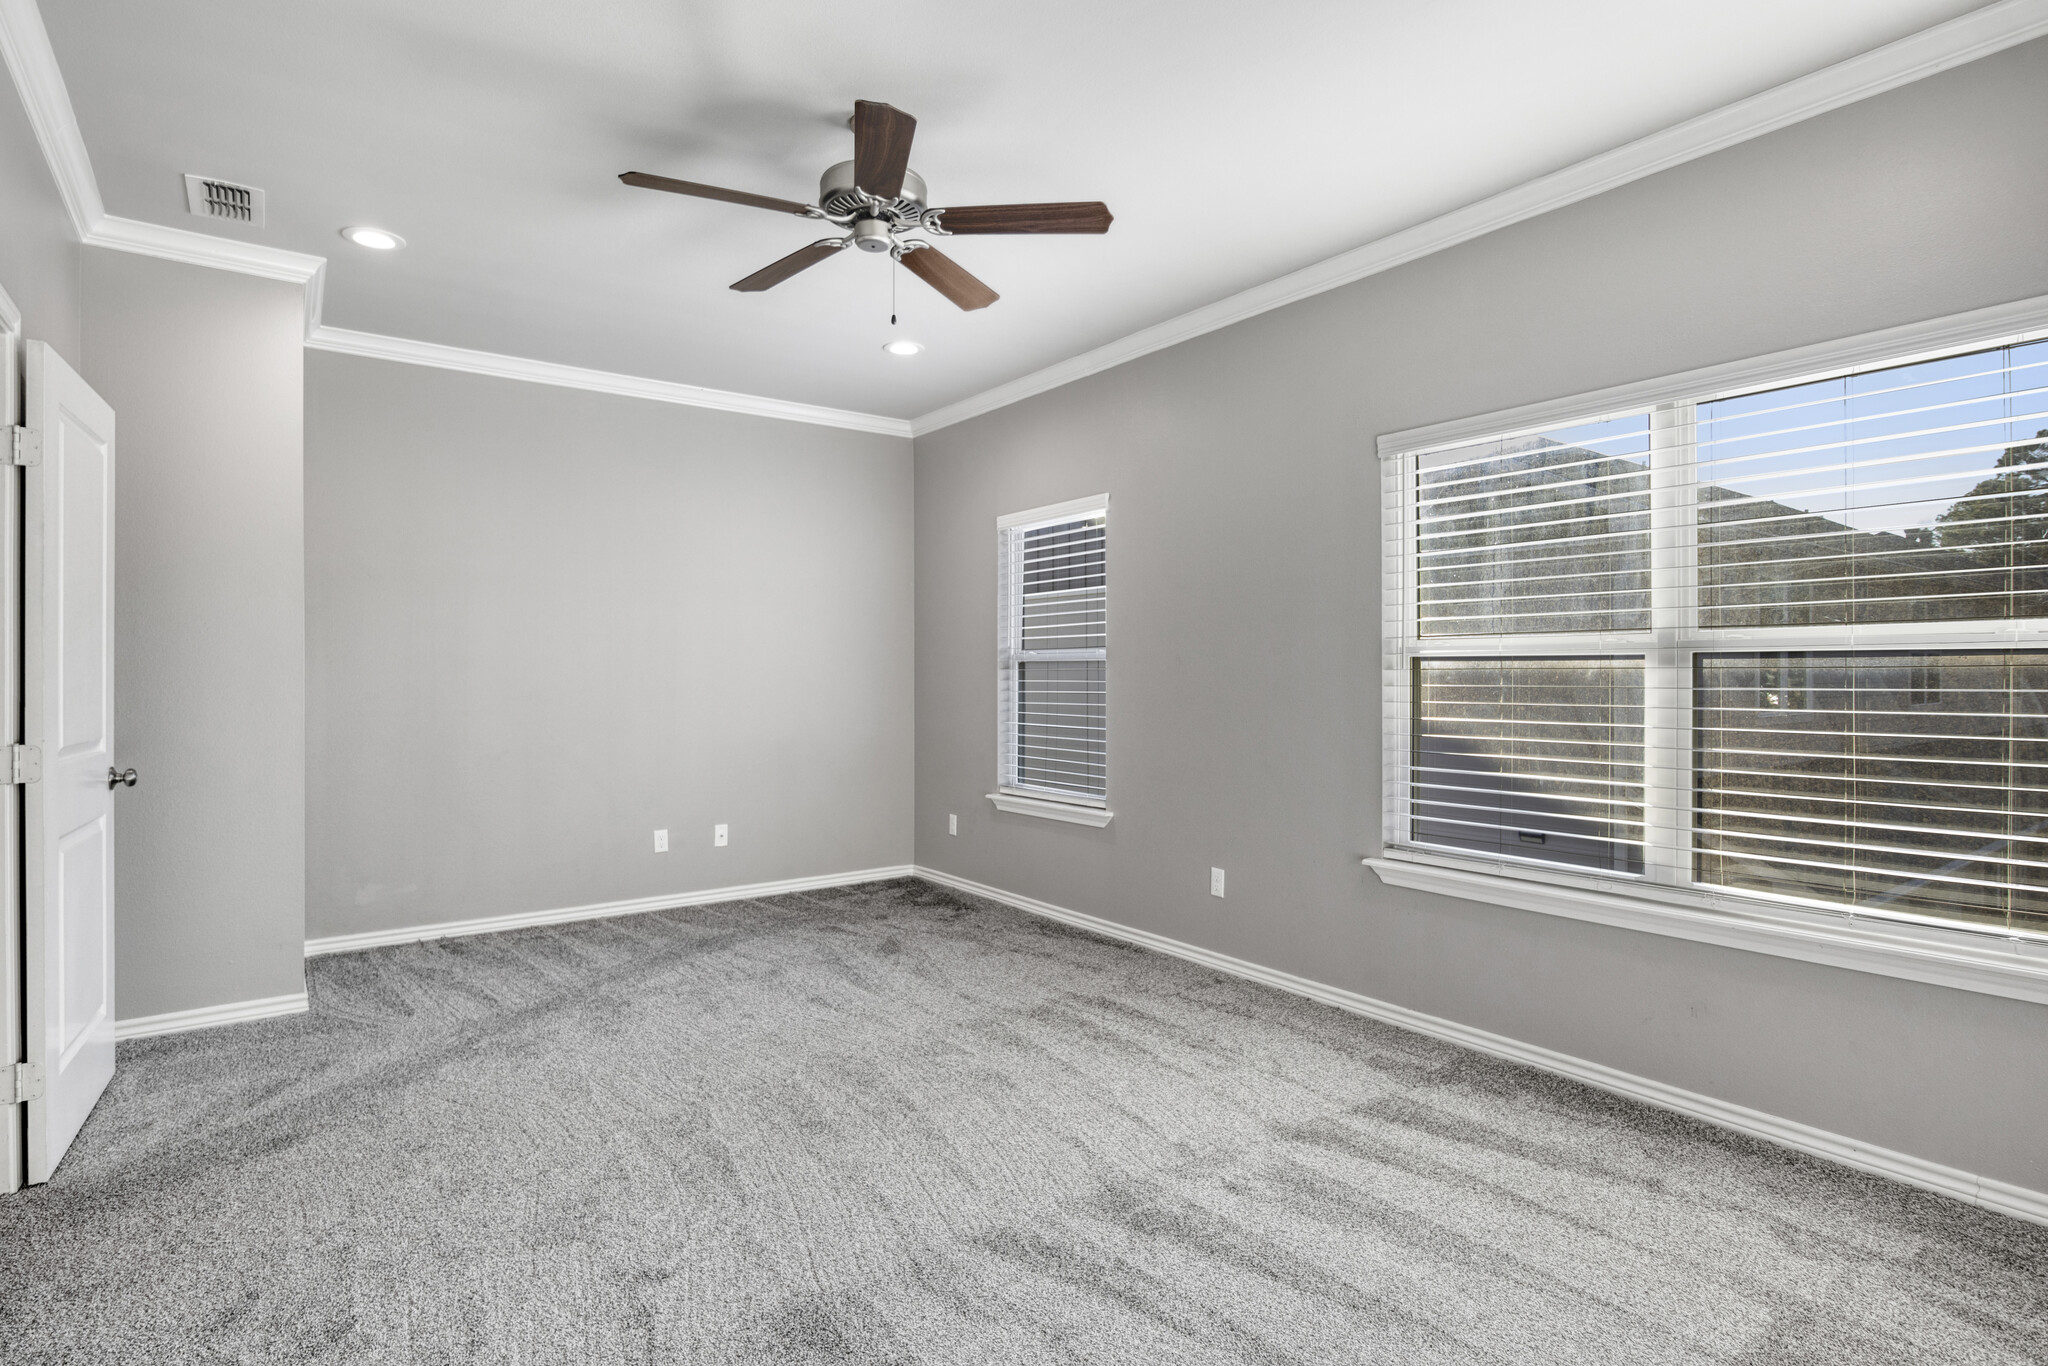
[[1787, 644], [1053, 655]]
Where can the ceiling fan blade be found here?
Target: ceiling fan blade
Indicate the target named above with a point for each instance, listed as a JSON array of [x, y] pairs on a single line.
[[881, 147], [1090, 217], [767, 277], [946, 275], [691, 187]]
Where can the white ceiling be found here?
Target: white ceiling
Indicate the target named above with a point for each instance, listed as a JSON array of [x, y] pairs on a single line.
[[1233, 142]]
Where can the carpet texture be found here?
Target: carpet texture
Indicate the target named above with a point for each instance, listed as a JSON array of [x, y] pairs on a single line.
[[892, 1124]]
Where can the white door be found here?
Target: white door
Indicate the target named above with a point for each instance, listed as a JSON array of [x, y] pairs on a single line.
[[13, 1136], [68, 725]]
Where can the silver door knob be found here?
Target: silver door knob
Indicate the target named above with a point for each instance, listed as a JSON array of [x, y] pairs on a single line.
[[116, 778]]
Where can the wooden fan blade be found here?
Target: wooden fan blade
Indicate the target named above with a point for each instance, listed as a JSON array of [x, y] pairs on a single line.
[[881, 147], [767, 277], [691, 187], [944, 274], [1090, 217]]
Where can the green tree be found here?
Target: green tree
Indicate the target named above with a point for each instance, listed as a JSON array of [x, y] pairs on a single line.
[[2008, 507]]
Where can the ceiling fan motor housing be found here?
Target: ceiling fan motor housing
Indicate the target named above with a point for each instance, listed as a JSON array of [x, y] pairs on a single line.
[[836, 197]]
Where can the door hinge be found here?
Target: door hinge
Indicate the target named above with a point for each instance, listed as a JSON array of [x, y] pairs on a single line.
[[26, 448], [25, 1080], [26, 764]]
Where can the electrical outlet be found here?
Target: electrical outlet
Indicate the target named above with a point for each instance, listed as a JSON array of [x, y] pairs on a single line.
[[1215, 882], [661, 841], [718, 836], [952, 825]]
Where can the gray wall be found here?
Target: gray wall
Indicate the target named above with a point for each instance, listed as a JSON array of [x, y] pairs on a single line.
[[39, 255], [202, 368], [546, 622], [1244, 724]]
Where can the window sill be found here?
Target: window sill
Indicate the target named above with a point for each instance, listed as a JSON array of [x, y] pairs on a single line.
[[1019, 805], [2014, 968]]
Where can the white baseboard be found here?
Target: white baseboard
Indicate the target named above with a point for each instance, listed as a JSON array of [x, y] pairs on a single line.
[[1988, 1192], [206, 1017], [449, 929]]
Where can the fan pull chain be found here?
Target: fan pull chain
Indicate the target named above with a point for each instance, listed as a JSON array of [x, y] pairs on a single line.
[[893, 263]]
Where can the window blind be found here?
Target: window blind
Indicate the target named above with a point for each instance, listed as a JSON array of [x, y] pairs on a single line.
[[1542, 533], [1914, 493], [1788, 643], [1055, 592], [1536, 758], [1914, 782]]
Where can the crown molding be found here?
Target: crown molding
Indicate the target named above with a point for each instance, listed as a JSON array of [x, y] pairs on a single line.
[[204, 249], [25, 45], [1965, 39], [409, 352]]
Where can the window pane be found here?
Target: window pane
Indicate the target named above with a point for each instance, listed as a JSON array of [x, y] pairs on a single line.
[[1065, 592], [1893, 782], [1915, 493], [1061, 725], [1541, 758], [1536, 533], [1065, 555]]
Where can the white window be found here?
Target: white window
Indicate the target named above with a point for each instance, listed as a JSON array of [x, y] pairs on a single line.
[[1052, 661], [1783, 646]]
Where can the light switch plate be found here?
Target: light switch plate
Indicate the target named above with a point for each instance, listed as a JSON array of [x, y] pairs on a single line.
[[718, 836]]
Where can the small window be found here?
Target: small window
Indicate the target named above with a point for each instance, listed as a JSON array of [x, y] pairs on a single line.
[[1053, 653]]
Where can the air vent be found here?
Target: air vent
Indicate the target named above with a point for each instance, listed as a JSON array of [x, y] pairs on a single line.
[[224, 199]]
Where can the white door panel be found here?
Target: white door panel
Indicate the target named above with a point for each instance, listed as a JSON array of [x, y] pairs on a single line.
[[68, 690], [82, 940], [82, 506]]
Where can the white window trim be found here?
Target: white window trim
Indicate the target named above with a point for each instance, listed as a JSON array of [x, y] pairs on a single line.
[[2016, 968], [1053, 512], [1073, 810], [1023, 801], [1656, 902]]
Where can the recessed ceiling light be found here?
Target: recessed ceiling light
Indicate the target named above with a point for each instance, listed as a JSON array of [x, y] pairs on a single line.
[[376, 239], [903, 346]]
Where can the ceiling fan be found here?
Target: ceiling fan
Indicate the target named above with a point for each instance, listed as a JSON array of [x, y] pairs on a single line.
[[878, 198]]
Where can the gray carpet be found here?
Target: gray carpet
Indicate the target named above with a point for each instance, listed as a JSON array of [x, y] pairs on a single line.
[[888, 1124]]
